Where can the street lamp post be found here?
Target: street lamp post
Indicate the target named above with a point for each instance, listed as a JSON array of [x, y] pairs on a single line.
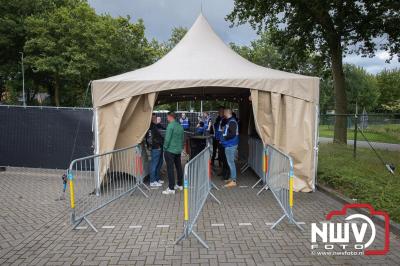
[[23, 79]]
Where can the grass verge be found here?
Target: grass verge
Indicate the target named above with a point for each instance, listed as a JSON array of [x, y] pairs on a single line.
[[363, 178]]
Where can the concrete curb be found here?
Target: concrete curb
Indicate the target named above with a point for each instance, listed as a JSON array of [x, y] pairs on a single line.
[[394, 227]]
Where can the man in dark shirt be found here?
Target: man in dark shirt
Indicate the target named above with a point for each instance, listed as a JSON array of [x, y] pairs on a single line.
[[217, 136], [221, 149], [155, 142], [158, 123]]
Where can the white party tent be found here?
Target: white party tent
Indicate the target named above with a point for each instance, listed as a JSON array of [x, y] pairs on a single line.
[[202, 66]]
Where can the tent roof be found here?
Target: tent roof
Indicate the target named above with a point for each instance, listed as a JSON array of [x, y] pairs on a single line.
[[202, 59]]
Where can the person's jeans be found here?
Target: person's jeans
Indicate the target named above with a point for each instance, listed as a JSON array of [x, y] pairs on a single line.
[[222, 157], [230, 153], [173, 159], [156, 163]]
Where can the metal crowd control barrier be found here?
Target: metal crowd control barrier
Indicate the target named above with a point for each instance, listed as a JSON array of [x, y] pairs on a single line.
[[279, 179], [97, 180], [256, 159], [196, 188]]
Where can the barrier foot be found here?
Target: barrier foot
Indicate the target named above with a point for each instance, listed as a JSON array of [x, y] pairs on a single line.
[[291, 220], [200, 240], [141, 183], [141, 190], [90, 224], [261, 190], [87, 221], [215, 198], [277, 222], [297, 224], [183, 236], [244, 168], [214, 186], [259, 180]]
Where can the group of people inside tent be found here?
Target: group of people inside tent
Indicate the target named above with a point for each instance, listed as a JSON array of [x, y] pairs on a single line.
[[225, 132], [203, 127]]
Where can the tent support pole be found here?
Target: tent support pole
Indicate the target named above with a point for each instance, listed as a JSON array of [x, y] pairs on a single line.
[[97, 150], [316, 141]]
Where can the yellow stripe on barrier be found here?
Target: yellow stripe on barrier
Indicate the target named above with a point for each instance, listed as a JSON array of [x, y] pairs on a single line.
[[186, 204], [71, 192], [265, 163], [291, 192]]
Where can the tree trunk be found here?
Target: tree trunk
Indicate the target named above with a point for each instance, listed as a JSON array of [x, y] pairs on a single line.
[[340, 132], [57, 92]]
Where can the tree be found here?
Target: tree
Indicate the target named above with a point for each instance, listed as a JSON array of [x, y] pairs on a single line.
[[328, 28], [264, 52], [59, 45], [177, 34], [388, 82], [361, 88], [71, 45], [261, 52], [13, 15]]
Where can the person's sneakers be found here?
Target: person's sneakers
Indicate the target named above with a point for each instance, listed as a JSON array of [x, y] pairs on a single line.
[[168, 191], [160, 181], [178, 187], [231, 184], [227, 180], [155, 184]]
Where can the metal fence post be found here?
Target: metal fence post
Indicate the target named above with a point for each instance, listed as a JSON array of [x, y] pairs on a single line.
[[265, 164], [355, 135], [71, 194]]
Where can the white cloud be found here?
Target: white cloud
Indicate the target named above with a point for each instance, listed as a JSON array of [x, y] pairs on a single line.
[[383, 55], [373, 64]]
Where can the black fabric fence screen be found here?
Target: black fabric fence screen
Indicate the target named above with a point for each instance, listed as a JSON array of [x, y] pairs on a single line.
[[50, 137], [44, 137]]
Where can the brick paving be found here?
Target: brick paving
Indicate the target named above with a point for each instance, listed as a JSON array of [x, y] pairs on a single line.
[[35, 228]]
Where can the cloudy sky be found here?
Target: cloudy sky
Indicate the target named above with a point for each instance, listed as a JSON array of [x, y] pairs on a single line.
[[160, 16]]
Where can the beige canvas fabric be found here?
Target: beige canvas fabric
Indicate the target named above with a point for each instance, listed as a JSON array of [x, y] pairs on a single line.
[[122, 124], [125, 122], [202, 59], [288, 123]]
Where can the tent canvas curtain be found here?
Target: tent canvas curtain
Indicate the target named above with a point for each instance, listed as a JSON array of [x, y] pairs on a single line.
[[288, 123], [122, 124]]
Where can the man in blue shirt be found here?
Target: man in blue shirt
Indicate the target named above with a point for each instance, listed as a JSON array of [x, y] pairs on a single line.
[[200, 129], [184, 121], [230, 141]]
